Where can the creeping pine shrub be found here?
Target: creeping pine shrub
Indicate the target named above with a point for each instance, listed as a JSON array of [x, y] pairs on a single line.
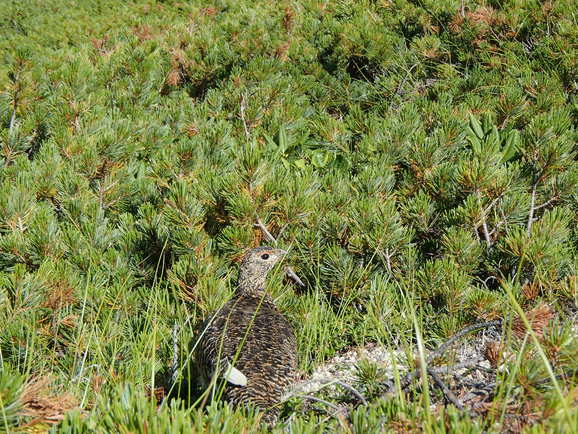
[[417, 159]]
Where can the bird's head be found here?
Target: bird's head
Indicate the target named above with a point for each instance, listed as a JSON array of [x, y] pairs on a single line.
[[255, 266]]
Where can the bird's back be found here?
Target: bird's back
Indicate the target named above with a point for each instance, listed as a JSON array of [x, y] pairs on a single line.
[[258, 341]]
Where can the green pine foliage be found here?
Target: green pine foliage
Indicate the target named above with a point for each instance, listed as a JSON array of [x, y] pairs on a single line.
[[419, 159]]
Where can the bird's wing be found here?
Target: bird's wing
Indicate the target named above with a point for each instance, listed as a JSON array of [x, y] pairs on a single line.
[[233, 375]]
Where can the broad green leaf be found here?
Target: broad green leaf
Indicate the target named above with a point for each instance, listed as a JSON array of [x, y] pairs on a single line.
[[476, 127]]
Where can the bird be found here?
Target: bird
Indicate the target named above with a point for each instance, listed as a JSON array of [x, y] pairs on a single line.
[[248, 344]]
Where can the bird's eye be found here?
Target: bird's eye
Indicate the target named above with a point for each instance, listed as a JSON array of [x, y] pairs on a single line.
[[265, 256]]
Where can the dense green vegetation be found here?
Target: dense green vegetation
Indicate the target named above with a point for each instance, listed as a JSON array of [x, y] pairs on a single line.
[[418, 158]]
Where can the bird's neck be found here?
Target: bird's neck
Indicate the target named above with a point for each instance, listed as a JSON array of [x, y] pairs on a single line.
[[251, 286]]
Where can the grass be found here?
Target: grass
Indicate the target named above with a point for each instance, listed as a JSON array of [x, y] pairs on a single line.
[[417, 158]]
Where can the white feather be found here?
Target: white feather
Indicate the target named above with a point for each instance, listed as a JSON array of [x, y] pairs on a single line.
[[234, 376]]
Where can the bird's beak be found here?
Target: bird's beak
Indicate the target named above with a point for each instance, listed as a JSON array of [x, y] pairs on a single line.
[[281, 252]]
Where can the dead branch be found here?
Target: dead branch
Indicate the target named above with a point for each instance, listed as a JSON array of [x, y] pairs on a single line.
[[463, 332], [324, 382], [354, 391], [322, 401], [39, 403], [291, 275], [13, 118], [406, 380], [545, 204], [448, 369], [483, 222], [446, 391], [498, 226], [388, 259], [265, 231]]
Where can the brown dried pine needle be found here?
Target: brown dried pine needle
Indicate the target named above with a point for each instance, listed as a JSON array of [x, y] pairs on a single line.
[[41, 405], [539, 317]]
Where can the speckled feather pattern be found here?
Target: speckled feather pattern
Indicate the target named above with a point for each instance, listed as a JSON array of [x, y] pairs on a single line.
[[251, 333]]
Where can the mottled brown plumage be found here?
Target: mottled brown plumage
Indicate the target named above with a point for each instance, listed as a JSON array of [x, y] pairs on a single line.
[[250, 334]]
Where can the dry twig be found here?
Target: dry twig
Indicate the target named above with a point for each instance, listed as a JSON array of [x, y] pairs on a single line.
[[354, 391], [324, 382], [448, 369], [463, 332], [322, 401], [446, 391], [259, 224], [340, 413]]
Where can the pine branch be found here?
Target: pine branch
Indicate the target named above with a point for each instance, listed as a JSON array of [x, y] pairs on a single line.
[[14, 109], [564, 375], [13, 118], [532, 208], [242, 113]]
